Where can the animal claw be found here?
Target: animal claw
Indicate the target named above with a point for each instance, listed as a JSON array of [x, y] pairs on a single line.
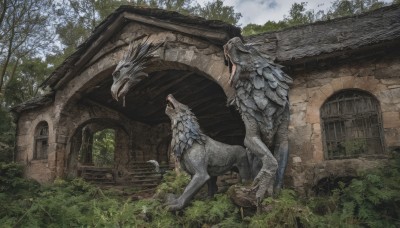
[[174, 207]]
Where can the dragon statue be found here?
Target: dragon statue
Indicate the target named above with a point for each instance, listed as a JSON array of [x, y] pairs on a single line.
[[261, 96], [199, 155]]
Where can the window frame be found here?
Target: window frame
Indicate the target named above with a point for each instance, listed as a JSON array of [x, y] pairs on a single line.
[[41, 139], [350, 145]]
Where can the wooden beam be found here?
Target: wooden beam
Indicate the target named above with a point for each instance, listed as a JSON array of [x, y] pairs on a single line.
[[216, 35]]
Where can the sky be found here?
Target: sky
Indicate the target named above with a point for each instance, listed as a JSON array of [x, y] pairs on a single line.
[[260, 11]]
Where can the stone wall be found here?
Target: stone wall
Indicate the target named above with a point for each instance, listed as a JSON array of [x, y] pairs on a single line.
[[380, 77], [44, 169]]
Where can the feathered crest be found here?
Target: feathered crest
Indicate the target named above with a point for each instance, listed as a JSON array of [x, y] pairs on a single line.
[[138, 54]]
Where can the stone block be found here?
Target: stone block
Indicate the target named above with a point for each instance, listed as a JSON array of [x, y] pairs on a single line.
[[296, 160], [390, 81], [366, 83], [391, 119], [297, 95], [348, 82], [392, 137], [327, 90], [337, 84], [395, 93], [319, 82]]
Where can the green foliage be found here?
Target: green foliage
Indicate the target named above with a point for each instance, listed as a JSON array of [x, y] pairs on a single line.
[[172, 182], [7, 136], [300, 15], [372, 200], [11, 179], [217, 11], [103, 148], [252, 29], [219, 210], [287, 211]]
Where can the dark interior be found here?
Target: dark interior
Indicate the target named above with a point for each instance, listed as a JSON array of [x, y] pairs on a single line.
[[146, 102]]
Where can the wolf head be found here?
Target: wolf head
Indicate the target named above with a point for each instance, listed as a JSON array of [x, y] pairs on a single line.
[[184, 125]]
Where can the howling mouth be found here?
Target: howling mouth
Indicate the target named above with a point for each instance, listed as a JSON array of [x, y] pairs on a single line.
[[169, 103], [232, 67]]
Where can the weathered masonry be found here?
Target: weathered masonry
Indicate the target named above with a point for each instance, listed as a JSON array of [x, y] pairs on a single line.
[[345, 101]]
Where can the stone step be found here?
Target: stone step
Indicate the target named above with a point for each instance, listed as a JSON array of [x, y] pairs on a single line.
[[144, 180]]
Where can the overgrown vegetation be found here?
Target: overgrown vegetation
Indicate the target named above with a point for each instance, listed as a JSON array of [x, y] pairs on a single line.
[[104, 148], [372, 200]]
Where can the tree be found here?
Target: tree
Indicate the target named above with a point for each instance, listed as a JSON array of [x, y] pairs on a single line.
[[342, 8], [217, 11], [25, 84], [103, 147], [23, 31], [252, 29], [299, 15]]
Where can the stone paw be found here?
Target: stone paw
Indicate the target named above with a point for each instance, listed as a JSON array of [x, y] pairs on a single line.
[[173, 207]]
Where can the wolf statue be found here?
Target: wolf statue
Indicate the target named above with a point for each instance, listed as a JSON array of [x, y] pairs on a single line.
[[199, 155]]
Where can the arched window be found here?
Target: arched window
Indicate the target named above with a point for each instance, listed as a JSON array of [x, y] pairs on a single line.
[[41, 141], [351, 125]]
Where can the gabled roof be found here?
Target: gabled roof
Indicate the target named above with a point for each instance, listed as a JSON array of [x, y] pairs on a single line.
[[332, 38], [217, 32]]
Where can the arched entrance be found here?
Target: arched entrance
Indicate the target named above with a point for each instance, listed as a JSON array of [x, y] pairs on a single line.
[[143, 119], [94, 144]]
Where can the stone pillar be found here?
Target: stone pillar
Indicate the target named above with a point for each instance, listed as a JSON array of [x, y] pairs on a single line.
[[86, 149]]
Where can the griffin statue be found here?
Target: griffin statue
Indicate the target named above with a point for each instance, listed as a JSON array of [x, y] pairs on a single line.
[[199, 155], [129, 70], [261, 96]]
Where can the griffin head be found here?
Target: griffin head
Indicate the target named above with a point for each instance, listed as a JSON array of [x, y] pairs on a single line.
[[129, 70]]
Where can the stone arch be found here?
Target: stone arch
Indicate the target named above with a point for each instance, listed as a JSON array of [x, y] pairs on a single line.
[[317, 99], [207, 61], [98, 124], [211, 66]]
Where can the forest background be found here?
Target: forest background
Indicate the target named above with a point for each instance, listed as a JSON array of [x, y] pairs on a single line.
[[37, 35]]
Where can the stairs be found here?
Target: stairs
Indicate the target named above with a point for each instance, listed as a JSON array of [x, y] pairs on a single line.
[[143, 175], [97, 175]]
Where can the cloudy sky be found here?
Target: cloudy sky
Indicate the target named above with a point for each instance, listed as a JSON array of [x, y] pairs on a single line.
[[260, 11]]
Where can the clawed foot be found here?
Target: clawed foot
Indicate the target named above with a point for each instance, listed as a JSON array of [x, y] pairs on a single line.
[[263, 183], [173, 204], [173, 207]]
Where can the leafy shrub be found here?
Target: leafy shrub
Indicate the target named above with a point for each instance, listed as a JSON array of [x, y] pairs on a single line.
[[172, 182], [215, 211], [285, 211], [372, 200], [11, 179]]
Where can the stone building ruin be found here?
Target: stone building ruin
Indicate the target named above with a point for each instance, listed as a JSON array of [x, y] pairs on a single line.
[[345, 100]]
